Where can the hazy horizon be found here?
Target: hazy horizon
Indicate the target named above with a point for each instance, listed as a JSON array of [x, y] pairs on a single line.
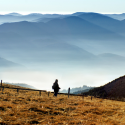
[[63, 13]]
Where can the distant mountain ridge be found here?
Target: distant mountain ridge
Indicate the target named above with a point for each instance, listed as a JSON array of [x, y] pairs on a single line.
[[77, 90], [104, 21], [14, 14], [16, 17], [36, 17], [82, 91], [21, 85], [117, 16]]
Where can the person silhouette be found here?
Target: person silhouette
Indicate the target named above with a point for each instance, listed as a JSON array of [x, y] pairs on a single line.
[[56, 87]]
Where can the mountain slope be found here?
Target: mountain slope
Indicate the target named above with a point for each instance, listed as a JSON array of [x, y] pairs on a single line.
[[61, 51], [104, 21], [23, 28], [115, 89], [123, 21], [44, 20], [117, 16], [74, 25]]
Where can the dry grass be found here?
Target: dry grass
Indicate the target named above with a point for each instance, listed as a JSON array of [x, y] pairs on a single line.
[[27, 107]]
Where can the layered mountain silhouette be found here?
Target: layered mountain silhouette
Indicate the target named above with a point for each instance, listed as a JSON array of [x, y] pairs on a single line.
[[50, 40], [72, 26], [16, 17], [117, 16], [105, 22], [64, 51]]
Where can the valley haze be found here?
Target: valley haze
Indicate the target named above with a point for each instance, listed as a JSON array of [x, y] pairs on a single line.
[[83, 48]]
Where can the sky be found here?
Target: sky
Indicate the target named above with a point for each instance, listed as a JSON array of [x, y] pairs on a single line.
[[61, 6]]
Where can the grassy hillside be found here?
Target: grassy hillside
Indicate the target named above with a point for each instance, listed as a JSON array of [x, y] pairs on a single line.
[[28, 107], [12, 86], [113, 90]]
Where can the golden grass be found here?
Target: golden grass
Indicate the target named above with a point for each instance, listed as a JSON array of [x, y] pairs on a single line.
[[27, 107]]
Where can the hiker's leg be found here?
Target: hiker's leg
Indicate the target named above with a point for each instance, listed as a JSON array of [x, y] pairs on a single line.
[[54, 93]]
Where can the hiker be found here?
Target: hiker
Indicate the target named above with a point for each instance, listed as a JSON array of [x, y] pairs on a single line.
[[55, 87]]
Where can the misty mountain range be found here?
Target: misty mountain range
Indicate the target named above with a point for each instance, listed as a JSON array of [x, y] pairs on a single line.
[[63, 43], [105, 22], [88, 26], [16, 17], [61, 38], [36, 17]]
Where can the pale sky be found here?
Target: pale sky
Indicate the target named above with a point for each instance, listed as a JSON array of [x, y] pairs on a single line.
[[62, 6]]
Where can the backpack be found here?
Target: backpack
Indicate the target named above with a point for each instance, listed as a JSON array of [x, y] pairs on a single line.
[[54, 85]]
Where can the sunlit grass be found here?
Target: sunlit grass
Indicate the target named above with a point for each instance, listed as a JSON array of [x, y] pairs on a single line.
[[28, 107]]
